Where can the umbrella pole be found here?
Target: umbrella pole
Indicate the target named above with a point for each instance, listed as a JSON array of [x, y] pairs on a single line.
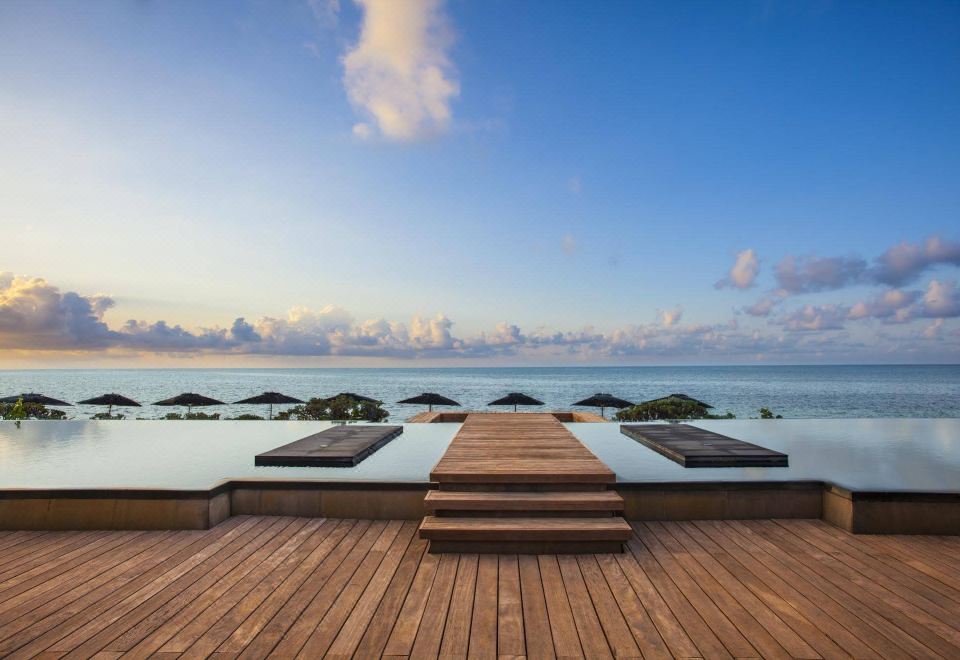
[[601, 413], [429, 407], [270, 414]]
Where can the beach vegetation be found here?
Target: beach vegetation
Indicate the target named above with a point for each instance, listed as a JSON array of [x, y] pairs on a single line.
[[21, 410], [766, 413], [247, 417], [106, 415], [669, 408], [192, 416], [339, 408]]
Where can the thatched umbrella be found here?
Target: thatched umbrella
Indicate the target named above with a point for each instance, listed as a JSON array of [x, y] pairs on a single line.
[[602, 401], [681, 397], [430, 399], [516, 399], [355, 397], [189, 399], [109, 400], [270, 398], [35, 398]]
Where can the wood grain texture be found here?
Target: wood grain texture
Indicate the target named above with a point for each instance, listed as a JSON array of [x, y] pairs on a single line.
[[283, 587]]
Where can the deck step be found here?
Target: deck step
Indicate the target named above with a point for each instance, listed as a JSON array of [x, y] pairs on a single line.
[[613, 528], [600, 502]]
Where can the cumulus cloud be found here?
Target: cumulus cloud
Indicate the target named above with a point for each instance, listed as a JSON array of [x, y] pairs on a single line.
[[36, 315], [904, 262], [399, 74], [743, 273], [810, 274], [764, 306], [899, 265], [814, 317]]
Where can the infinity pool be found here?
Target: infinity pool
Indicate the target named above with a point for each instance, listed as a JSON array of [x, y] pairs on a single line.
[[861, 454]]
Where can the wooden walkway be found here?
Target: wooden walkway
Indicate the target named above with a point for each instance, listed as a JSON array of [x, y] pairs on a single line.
[[515, 448], [285, 587], [526, 479]]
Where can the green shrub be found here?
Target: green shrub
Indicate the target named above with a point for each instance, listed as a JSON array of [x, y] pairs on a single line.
[[667, 409], [766, 413], [107, 415], [247, 417], [340, 408], [21, 410]]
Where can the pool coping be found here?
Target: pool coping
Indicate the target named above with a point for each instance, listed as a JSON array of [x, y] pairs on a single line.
[[869, 512]]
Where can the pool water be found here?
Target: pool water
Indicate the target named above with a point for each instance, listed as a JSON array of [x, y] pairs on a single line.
[[860, 454]]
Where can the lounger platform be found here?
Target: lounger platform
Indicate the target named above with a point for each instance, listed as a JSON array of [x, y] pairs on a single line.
[[339, 446], [694, 447]]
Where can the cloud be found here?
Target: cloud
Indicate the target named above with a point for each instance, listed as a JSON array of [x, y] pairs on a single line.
[[898, 265], [399, 74], [813, 318], [893, 306], [568, 244], [764, 306], [575, 185], [810, 274], [743, 273], [36, 315], [905, 262]]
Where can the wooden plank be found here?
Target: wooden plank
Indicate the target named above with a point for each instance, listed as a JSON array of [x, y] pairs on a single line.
[[694, 447], [288, 613], [446, 500], [786, 549], [430, 634], [363, 614], [510, 640], [518, 448], [563, 628], [615, 628], [757, 622], [218, 623], [837, 626], [536, 623], [298, 634], [375, 637], [97, 603], [456, 630], [338, 446], [644, 631], [584, 615], [525, 529], [336, 616], [404, 632], [294, 584], [483, 626], [184, 619]]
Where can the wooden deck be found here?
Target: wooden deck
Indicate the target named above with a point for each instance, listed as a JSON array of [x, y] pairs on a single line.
[[515, 448], [337, 446], [259, 586], [694, 447]]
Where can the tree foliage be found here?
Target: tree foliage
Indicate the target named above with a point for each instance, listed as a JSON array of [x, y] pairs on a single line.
[[340, 408], [667, 409], [21, 410], [766, 413]]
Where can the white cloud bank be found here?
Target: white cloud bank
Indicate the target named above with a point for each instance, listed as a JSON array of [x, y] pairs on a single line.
[[399, 74], [37, 316]]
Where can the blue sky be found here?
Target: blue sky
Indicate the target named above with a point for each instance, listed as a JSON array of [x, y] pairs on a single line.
[[586, 169]]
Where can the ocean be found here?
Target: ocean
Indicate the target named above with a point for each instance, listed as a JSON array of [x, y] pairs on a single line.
[[852, 391]]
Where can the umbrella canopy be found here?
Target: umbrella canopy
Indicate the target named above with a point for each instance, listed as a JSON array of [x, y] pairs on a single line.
[[35, 398], [682, 397], [189, 399], [355, 397], [601, 401], [430, 399], [109, 400], [270, 398], [516, 399]]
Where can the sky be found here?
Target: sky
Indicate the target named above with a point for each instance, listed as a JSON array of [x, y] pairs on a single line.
[[429, 182]]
